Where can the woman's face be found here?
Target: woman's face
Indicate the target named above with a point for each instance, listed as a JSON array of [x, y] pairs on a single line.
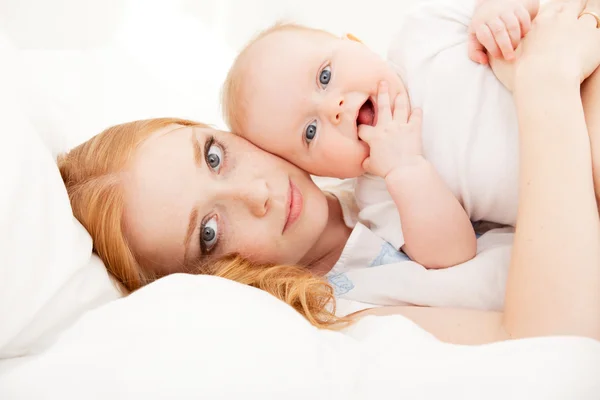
[[193, 192]]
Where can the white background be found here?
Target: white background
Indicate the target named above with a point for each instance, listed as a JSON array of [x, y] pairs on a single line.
[[93, 63]]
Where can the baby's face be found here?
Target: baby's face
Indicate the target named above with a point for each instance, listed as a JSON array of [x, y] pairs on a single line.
[[306, 93]]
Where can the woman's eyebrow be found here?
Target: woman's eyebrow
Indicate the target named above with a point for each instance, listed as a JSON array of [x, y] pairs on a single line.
[[198, 152], [193, 220]]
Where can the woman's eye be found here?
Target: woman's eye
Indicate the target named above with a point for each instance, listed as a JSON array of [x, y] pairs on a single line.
[[214, 156], [325, 76], [209, 234], [310, 132]]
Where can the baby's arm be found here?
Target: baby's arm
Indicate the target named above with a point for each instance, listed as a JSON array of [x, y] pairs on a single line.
[[437, 231]]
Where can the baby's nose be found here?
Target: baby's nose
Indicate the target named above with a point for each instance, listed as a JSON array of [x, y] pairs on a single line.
[[334, 109]]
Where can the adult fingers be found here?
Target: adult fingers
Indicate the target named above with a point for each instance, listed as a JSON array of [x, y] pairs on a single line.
[[590, 19], [571, 7]]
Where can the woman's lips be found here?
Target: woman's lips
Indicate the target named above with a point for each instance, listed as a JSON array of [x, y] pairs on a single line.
[[294, 205]]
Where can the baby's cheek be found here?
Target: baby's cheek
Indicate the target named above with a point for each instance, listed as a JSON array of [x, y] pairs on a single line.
[[349, 155], [340, 156], [353, 155]]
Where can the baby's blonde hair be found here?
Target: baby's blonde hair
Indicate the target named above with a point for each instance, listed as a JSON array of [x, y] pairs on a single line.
[[232, 94], [92, 175]]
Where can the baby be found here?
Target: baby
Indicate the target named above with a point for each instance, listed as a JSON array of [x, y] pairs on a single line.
[[334, 108]]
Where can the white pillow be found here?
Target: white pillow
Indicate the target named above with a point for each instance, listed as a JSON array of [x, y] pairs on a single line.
[[202, 337], [63, 95], [157, 62], [48, 275]]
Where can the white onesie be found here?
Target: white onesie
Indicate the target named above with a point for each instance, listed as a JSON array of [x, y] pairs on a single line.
[[371, 272], [470, 131], [470, 135]]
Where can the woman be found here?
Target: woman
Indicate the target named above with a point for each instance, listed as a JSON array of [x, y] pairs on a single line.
[[164, 196]]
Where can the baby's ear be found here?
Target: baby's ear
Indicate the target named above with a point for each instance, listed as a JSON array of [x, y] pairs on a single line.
[[349, 36]]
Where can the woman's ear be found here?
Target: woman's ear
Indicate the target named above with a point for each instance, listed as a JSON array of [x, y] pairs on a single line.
[[350, 36]]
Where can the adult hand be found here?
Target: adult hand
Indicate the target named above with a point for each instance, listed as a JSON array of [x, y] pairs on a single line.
[[563, 40]]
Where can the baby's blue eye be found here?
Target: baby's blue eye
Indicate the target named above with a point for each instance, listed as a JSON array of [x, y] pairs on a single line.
[[325, 76], [311, 132]]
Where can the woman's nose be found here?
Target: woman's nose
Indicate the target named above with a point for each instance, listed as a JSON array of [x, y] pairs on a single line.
[[333, 108], [253, 194]]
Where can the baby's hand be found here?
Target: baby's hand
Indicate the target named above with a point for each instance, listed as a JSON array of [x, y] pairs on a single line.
[[498, 26], [395, 141]]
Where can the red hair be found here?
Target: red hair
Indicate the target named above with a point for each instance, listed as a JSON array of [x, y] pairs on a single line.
[[92, 174]]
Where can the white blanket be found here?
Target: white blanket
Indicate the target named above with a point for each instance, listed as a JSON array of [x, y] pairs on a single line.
[[199, 337]]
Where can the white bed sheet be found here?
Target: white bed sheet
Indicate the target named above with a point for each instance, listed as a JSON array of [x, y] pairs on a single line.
[[190, 337]]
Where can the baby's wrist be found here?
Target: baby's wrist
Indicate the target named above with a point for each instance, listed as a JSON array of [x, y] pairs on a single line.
[[410, 166]]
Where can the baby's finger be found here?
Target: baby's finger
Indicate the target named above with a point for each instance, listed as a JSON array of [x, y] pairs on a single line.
[[513, 26], [384, 112], [485, 37], [416, 119], [502, 39], [476, 50], [365, 133], [366, 165], [524, 20], [401, 107]]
